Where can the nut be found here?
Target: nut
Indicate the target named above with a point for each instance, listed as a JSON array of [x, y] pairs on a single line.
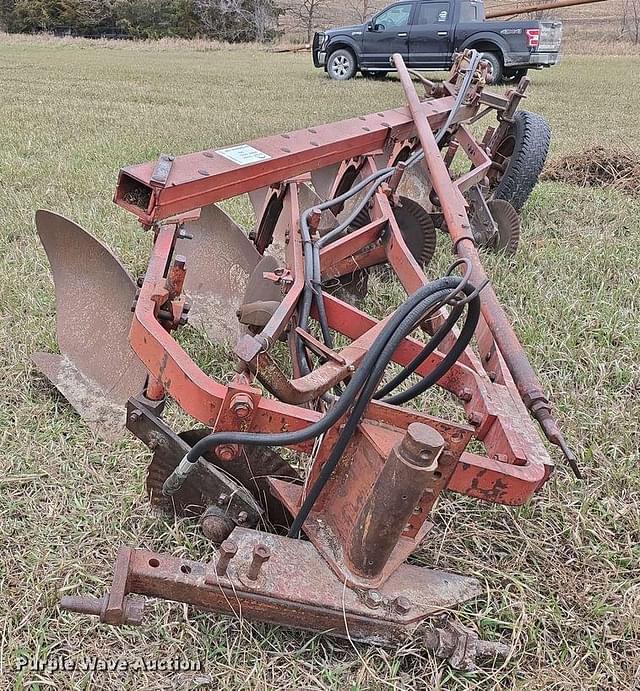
[[372, 599], [402, 605], [242, 405], [227, 452]]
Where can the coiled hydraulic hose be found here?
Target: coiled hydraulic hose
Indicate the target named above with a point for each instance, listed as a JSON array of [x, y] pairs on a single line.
[[357, 394]]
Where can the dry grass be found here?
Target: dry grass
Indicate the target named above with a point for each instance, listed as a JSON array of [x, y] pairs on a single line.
[[561, 574]]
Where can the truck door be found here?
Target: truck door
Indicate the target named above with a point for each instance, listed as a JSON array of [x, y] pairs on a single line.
[[387, 33], [431, 35]]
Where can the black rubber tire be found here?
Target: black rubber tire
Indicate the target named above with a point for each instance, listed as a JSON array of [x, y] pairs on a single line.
[[347, 61], [531, 135], [374, 75], [497, 67]]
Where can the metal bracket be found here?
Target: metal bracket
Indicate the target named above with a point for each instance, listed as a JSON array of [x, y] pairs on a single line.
[[239, 504], [163, 167]]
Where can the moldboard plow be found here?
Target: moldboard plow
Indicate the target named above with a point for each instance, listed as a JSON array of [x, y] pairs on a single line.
[[320, 543]]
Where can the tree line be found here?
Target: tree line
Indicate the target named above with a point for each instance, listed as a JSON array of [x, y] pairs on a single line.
[[224, 20]]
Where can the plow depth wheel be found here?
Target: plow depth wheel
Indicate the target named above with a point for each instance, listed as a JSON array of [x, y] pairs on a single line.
[[519, 158]]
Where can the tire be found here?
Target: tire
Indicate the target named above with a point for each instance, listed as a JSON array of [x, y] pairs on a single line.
[[496, 67], [341, 65], [513, 76], [374, 75], [522, 153]]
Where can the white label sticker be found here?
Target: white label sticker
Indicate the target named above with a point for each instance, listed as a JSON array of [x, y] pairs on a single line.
[[243, 154]]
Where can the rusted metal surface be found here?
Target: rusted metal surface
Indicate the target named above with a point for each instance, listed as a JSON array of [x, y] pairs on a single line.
[[209, 485], [409, 472], [97, 371], [314, 600], [455, 214], [287, 155]]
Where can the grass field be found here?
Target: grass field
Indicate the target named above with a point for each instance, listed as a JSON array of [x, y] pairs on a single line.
[[561, 575]]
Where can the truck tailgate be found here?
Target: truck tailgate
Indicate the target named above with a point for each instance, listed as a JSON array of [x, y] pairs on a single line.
[[550, 36]]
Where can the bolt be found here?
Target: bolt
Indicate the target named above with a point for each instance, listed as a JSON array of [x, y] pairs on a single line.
[[466, 394], [227, 452], [372, 599], [83, 604], [421, 445], [261, 553], [474, 418], [222, 499], [226, 553], [242, 405], [501, 457], [402, 605], [242, 517], [133, 610], [134, 416]]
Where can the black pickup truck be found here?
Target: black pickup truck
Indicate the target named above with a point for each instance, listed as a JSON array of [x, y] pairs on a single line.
[[427, 33]]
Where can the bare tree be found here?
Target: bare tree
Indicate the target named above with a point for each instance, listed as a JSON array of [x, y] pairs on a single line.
[[360, 10], [306, 14], [631, 20], [235, 20]]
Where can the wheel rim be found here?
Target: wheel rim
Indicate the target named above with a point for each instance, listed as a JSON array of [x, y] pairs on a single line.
[[340, 66], [501, 160]]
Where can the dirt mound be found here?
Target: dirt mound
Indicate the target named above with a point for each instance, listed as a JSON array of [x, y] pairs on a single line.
[[598, 167]]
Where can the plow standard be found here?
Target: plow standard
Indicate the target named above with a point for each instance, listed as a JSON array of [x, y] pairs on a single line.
[[317, 538]]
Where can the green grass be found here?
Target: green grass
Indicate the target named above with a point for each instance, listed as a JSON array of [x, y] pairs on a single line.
[[562, 574]]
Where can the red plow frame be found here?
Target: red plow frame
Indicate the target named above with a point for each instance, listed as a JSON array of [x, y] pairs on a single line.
[[359, 529]]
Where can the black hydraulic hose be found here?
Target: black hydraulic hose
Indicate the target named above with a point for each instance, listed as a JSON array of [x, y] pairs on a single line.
[[311, 276], [358, 380], [466, 333], [319, 300], [429, 348], [406, 326]]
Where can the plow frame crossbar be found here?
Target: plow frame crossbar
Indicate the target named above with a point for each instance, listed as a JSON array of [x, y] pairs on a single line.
[[516, 463]]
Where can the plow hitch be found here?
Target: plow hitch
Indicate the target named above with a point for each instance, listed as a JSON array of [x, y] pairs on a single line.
[[318, 536]]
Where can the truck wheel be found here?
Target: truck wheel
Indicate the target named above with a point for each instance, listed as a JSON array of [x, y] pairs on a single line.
[[374, 75], [513, 76], [519, 158], [341, 64], [496, 67]]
